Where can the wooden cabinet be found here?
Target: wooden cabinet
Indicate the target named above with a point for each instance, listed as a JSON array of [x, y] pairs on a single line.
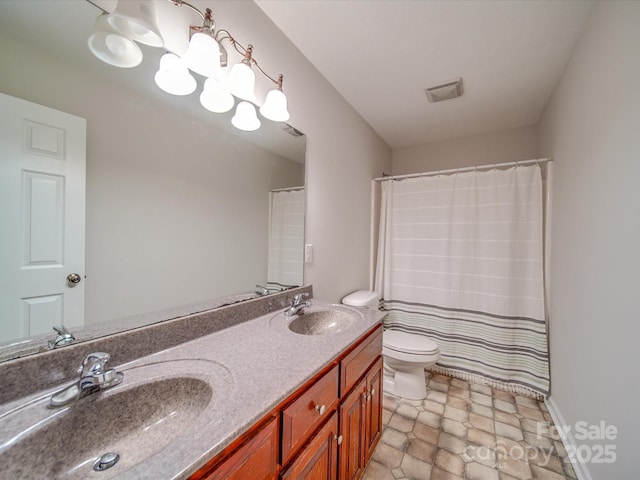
[[319, 459], [361, 423], [326, 430], [256, 459]]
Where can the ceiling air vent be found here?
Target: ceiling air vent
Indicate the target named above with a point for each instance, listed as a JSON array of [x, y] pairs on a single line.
[[294, 132], [445, 91]]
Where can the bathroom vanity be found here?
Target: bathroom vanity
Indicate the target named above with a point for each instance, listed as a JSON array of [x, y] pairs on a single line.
[[246, 397], [331, 424]]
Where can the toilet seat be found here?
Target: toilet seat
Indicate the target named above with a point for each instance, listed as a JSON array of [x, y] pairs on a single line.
[[409, 343]]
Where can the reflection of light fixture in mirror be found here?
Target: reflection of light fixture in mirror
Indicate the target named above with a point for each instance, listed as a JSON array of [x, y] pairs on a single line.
[[173, 77], [215, 97], [245, 117], [242, 80], [136, 20], [113, 48], [275, 105]]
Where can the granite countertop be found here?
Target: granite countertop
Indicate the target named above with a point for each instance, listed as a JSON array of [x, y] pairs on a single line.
[[249, 369]]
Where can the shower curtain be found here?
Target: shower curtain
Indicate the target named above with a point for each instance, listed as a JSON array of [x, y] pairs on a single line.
[[460, 260], [286, 239]]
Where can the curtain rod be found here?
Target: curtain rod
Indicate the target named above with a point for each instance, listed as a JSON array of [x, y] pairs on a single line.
[[463, 169], [288, 189]]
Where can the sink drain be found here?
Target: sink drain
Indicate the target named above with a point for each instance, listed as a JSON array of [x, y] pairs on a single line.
[[106, 461]]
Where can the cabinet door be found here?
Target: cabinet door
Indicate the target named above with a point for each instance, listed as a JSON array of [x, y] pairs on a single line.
[[352, 428], [257, 459], [373, 416], [319, 459]]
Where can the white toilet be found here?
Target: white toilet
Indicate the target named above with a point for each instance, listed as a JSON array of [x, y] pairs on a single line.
[[405, 355]]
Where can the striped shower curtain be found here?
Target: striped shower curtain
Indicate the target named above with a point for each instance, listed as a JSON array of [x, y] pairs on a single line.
[[460, 260], [286, 238]]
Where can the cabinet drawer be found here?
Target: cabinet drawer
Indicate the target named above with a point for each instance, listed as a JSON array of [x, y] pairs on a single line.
[[301, 418], [356, 363]]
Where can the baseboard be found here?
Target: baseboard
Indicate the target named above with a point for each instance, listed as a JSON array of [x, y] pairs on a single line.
[[568, 441]]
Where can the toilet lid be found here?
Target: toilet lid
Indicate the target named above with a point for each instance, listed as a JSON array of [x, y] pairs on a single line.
[[408, 342]]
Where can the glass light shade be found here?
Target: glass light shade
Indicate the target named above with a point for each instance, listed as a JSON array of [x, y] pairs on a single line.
[[113, 48], [173, 77], [242, 82], [246, 118], [275, 106], [137, 21], [203, 55], [215, 97]]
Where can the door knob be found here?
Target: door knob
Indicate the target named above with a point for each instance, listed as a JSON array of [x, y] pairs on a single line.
[[73, 279]]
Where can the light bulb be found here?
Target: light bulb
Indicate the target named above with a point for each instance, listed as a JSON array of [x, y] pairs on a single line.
[[245, 117], [275, 106], [215, 97], [173, 77], [203, 55], [112, 47], [242, 82]]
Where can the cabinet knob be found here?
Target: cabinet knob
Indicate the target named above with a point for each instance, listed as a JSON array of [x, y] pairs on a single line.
[[373, 392], [320, 409], [338, 438]]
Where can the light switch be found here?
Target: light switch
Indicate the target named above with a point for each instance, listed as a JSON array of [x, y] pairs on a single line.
[[308, 253]]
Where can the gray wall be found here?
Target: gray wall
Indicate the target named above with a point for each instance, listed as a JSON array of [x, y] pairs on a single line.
[[591, 128], [495, 147]]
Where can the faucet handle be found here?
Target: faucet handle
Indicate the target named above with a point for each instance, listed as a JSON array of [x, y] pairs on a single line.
[[298, 298], [94, 363]]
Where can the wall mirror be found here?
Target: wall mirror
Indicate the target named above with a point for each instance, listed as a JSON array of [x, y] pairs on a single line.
[[182, 211]]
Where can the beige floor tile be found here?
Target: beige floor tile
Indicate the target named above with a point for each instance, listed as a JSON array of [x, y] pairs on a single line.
[[476, 387], [540, 473], [440, 474], [515, 468], [388, 456], [415, 469], [422, 450], [482, 399], [400, 423], [466, 431], [451, 443], [396, 439], [426, 433], [450, 462], [376, 471], [477, 471], [483, 423], [508, 418]]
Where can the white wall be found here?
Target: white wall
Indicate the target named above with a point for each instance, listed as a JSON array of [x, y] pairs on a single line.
[[591, 128], [495, 147], [176, 213], [343, 155]]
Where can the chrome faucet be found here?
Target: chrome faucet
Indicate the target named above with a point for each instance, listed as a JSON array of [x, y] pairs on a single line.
[[297, 306], [93, 378], [63, 338]]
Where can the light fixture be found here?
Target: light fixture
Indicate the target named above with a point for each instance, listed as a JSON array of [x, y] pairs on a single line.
[[203, 54], [114, 42], [136, 20], [245, 117], [242, 80], [112, 47], [215, 97], [275, 105], [173, 77]]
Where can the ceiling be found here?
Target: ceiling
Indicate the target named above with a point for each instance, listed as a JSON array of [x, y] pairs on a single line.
[[381, 54]]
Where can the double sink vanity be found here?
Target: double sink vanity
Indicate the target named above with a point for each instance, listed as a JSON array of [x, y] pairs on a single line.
[[255, 393]]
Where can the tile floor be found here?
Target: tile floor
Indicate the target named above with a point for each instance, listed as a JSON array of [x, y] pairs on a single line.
[[467, 431]]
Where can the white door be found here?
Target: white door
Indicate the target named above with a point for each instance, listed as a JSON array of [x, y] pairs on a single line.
[[42, 209]]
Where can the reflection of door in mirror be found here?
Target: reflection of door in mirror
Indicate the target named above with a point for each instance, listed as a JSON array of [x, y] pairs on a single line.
[[42, 190], [286, 237]]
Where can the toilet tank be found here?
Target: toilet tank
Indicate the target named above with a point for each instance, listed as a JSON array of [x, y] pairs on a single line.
[[362, 298]]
